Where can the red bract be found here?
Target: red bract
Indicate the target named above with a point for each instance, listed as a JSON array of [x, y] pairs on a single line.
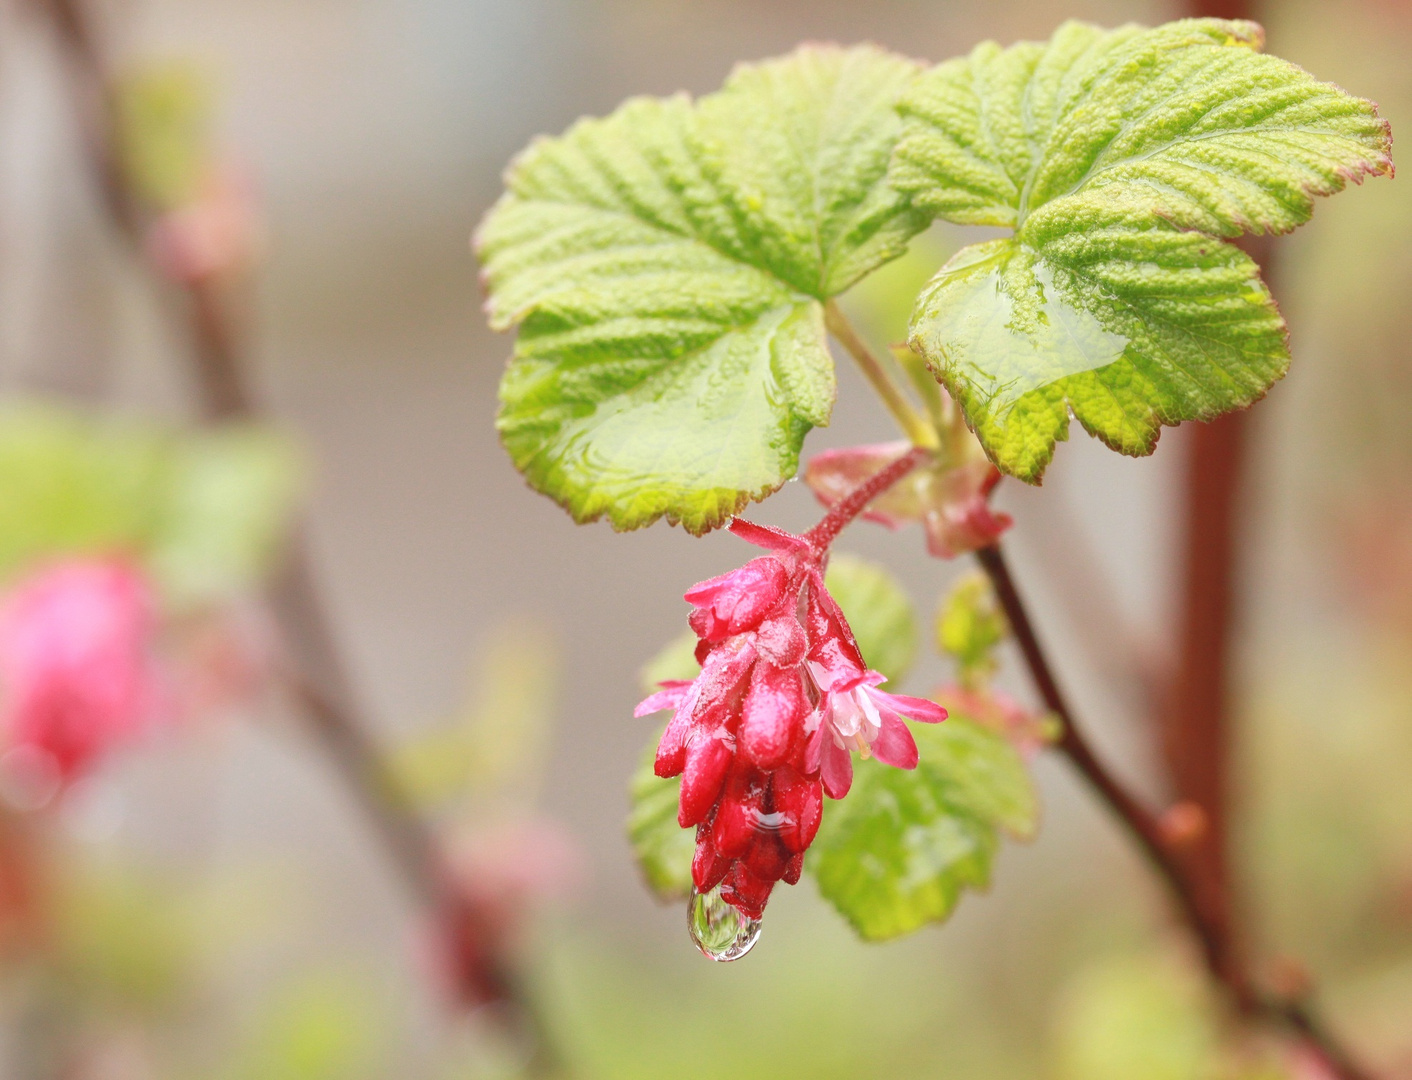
[[768, 726], [75, 657], [950, 499]]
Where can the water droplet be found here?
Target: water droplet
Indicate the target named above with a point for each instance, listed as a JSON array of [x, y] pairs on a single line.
[[720, 931]]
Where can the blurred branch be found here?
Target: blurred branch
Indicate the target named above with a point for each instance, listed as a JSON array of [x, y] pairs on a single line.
[[1196, 894], [318, 679]]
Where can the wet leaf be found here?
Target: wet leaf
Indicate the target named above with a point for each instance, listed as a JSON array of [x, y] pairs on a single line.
[[904, 845], [666, 267], [1123, 160]]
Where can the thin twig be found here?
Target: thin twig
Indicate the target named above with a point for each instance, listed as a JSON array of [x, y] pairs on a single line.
[[1192, 894], [914, 425], [853, 504], [318, 681]]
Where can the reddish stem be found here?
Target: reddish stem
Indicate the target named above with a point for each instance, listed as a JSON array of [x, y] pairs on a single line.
[[1192, 893], [857, 500]]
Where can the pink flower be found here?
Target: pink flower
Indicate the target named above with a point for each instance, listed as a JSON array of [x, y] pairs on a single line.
[[75, 643], [951, 500], [855, 715], [768, 726]]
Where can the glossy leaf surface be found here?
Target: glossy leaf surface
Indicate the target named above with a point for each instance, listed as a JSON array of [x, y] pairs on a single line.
[[902, 848], [666, 267], [1123, 160]]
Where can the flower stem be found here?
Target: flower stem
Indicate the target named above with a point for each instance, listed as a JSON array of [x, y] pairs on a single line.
[[1192, 892], [913, 424], [853, 504]]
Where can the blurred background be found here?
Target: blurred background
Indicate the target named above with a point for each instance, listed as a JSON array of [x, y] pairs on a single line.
[[212, 901]]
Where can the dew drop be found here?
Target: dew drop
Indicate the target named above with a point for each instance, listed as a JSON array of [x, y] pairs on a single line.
[[720, 931]]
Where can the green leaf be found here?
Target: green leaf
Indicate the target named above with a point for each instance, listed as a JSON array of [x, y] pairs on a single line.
[[662, 847], [229, 497], [878, 612], [666, 268], [1121, 159], [970, 626], [204, 512], [899, 851]]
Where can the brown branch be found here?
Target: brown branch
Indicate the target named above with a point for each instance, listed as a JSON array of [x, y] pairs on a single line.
[[318, 680], [1193, 894]]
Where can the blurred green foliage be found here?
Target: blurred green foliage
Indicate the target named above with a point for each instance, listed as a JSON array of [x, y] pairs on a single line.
[[203, 511], [498, 742], [878, 612], [969, 628], [902, 848], [165, 115]]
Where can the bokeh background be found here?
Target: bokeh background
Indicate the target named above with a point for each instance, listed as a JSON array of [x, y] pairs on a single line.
[[234, 917]]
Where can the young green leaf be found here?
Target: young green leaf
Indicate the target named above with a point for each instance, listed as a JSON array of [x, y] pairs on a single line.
[[205, 512], [666, 268], [969, 627], [899, 851], [662, 847], [878, 612], [1122, 159]]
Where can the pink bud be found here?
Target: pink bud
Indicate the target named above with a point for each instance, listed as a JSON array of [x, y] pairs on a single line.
[[707, 758], [708, 866], [801, 802], [772, 719], [739, 813], [739, 600]]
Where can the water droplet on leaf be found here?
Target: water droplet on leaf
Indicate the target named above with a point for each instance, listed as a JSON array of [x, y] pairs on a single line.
[[720, 931]]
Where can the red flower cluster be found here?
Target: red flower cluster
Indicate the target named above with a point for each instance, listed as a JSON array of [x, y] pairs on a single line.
[[767, 727]]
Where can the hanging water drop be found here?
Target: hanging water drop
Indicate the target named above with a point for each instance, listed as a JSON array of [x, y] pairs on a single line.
[[720, 931]]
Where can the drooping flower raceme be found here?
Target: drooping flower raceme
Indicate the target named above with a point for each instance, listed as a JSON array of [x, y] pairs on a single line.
[[770, 724], [76, 661]]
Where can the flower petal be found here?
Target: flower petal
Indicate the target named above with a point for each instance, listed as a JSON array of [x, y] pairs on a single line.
[[671, 748], [835, 769], [707, 758], [782, 641], [708, 866], [767, 536], [772, 717], [736, 601], [914, 708], [832, 648], [672, 694], [894, 744], [801, 802]]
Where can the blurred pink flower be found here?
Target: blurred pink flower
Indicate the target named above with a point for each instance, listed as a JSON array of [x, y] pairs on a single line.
[[951, 501], [218, 233], [1029, 731], [495, 880], [75, 659]]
